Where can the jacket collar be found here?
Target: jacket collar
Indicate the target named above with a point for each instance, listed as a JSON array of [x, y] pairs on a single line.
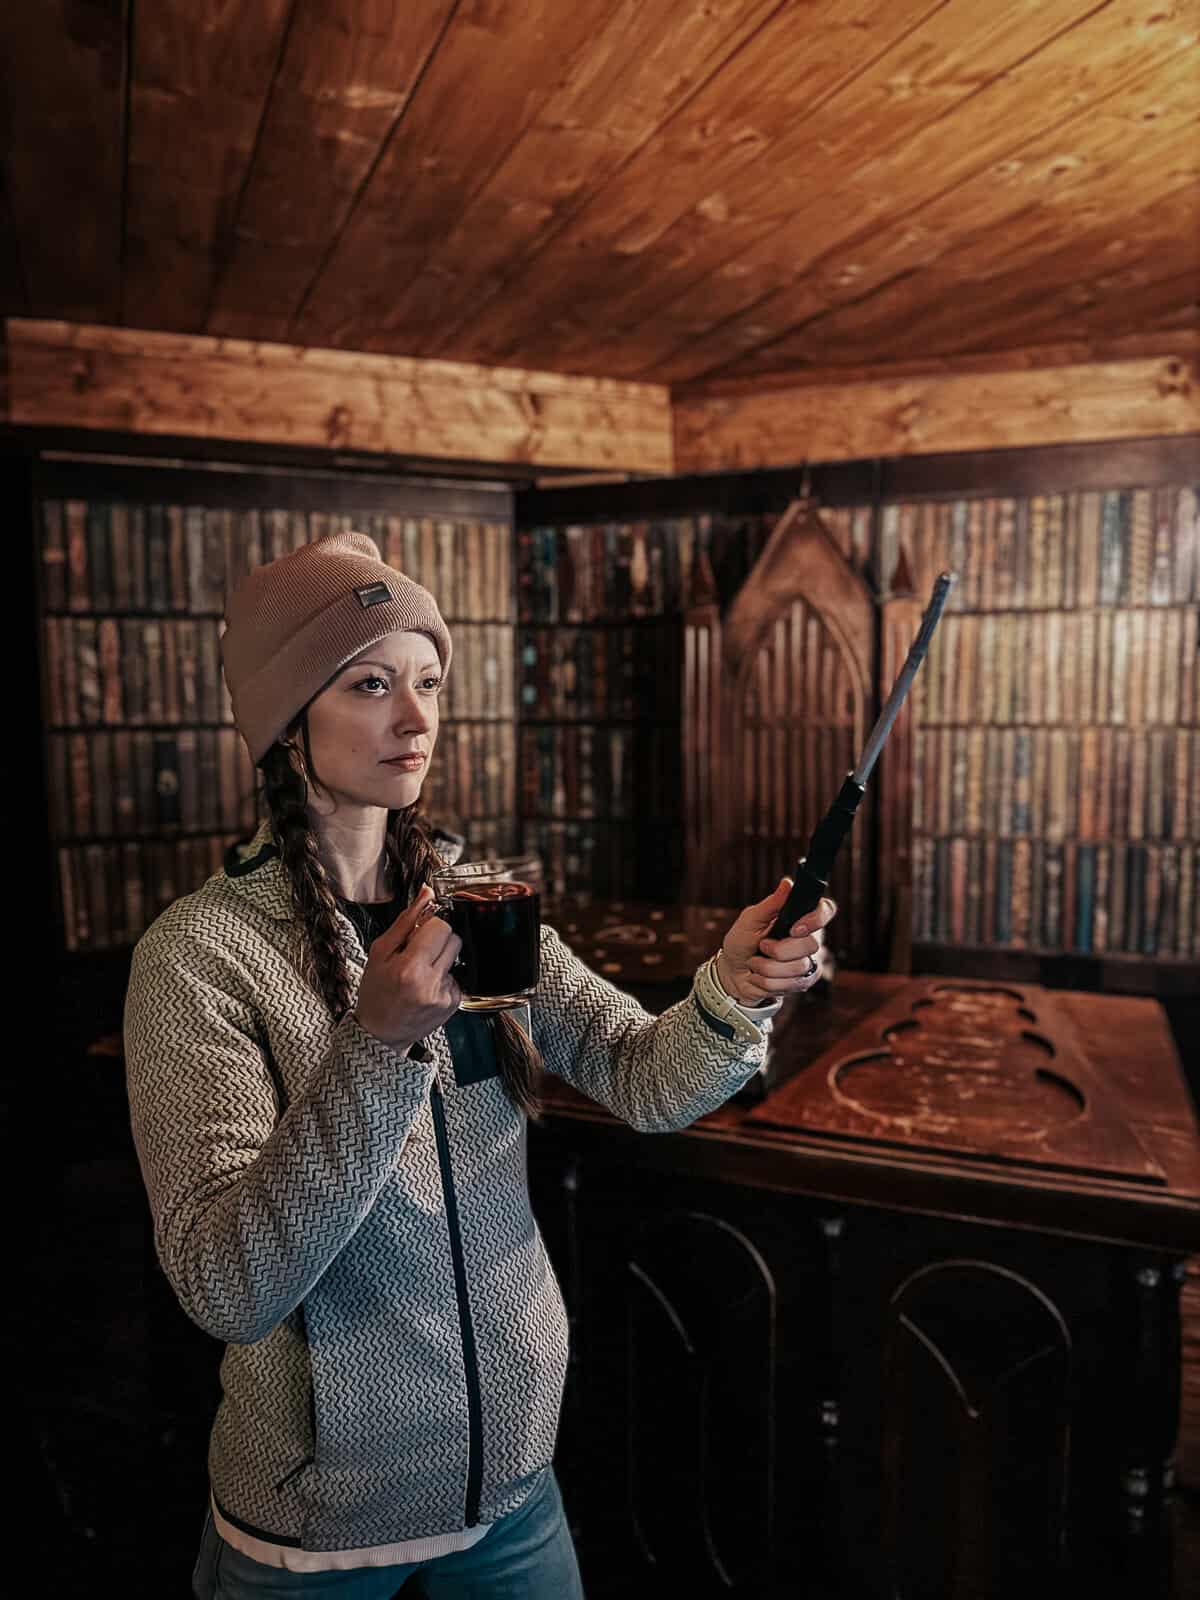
[[254, 870]]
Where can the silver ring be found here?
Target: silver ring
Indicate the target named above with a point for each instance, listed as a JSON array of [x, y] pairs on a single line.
[[812, 967]]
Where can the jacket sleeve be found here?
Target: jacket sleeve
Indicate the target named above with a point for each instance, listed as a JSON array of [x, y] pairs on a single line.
[[656, 1073], [250, 1207]]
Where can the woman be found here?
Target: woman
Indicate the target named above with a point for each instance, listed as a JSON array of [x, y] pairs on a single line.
[[337, 1183]]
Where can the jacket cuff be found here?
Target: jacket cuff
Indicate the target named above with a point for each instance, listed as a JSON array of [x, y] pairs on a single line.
[[726, 1016], [757, 1013]]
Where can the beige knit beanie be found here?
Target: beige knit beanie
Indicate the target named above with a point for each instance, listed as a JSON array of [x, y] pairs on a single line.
[[291, 624]]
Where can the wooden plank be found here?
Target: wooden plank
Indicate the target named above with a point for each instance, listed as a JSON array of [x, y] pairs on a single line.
[[742, 119], [986, 290], [1127, 399], [487, 79], [638, 70], [161, 383], [62, 71], [345, 77], [759, 165], [947, 309], [1005, 168], [200, 77], [1183, 340]]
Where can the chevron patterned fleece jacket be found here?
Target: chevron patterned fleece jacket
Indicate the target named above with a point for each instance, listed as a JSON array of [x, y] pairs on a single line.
[[356, 1226]]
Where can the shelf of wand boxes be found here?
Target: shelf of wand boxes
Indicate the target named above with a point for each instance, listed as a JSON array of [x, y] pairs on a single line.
[[148, 780], [1056, 728]]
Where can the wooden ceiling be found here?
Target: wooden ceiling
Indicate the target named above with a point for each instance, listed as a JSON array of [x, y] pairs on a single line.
[[669, 190]]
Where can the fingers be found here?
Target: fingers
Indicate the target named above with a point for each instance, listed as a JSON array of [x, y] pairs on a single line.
[[806, 935], [398, 935], [419, 931], [785, 977], [797, 966], [781, 957], [436, 943]]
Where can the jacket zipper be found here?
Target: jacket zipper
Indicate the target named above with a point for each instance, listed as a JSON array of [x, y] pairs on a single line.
[[470, 1362], [294, 1473]]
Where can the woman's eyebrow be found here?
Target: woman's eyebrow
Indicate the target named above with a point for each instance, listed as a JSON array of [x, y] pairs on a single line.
[[430, 666]]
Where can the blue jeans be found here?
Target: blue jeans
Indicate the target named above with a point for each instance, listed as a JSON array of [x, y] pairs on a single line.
[[528, 1555]]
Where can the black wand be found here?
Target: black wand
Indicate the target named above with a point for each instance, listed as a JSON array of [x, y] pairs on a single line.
[[811, 876]]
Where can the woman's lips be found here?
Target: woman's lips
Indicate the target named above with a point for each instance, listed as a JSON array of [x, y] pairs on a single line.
[[405, 763]]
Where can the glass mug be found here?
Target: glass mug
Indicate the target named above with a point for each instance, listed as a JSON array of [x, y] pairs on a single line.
[[495, 908]]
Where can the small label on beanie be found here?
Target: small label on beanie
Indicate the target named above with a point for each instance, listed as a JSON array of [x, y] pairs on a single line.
[[373, 594]]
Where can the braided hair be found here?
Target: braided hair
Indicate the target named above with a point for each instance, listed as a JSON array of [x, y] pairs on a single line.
[[411, 861]]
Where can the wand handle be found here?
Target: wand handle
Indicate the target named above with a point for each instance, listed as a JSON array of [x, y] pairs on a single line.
[[811, 877]]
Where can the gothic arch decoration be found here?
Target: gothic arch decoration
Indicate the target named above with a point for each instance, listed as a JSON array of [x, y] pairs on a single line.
[[700, 1305], [977, 1380], [778, 700]]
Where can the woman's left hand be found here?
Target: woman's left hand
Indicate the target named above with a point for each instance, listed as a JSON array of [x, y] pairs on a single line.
[[753, 968]]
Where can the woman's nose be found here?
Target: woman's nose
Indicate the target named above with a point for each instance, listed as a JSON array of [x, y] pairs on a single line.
[[412, 712]]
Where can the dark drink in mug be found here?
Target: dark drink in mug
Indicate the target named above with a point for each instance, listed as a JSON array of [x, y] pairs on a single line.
[[495, 909]]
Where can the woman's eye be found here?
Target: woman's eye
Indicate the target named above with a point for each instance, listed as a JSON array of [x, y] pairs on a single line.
[[363, 682], [433, 684]]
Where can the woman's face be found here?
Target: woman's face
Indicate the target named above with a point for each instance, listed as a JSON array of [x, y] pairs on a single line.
[[372, 730]]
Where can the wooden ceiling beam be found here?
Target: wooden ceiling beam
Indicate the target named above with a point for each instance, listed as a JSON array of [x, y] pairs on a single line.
[[119, 381], [62, 81], [201, 76], [126, 380], [1093, 350], [345, 80], [968, 410]]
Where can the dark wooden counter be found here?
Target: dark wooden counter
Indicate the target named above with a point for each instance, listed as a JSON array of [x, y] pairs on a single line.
[[806, 1357], [1128, 1046]]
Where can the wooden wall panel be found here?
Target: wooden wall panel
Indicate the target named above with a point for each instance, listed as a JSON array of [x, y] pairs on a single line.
[[112, 378], [958, 411]]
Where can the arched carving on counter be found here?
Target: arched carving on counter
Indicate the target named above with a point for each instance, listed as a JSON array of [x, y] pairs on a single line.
[[778, 698], [700, 1310], [977, 1378]]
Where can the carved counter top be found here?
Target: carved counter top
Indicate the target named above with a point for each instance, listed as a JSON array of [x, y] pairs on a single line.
[[1006, 1103]]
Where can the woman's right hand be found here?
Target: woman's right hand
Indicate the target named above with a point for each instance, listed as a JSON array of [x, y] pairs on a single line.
[[407, 989]]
